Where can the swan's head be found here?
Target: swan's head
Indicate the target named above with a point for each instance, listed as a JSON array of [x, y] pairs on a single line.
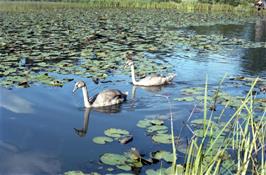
[[129, 58], [79, 84]]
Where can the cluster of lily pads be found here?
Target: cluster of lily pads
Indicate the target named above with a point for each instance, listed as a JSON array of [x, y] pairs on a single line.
[[93, 43], [156, 129], [112, 134], [217, 96], [133, 160]]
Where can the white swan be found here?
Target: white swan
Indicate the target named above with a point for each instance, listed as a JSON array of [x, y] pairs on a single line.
[[105, 98], [153, 80]]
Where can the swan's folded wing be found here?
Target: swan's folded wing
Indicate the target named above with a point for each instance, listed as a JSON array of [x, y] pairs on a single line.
[[108, 97], [152, 81]]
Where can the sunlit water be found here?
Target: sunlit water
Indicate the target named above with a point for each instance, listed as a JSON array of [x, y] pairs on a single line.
[[37, 124]]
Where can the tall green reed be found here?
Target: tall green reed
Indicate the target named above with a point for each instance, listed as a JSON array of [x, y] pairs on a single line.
[[246, 139]]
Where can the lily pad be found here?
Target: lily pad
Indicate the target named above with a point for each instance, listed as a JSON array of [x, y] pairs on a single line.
[[149, 122], [186, 99], [162, 138], [144, 123], [102, 140], [157, 128], [74, 173], [113, 159], [165, 155], [124, 167], [165, 171], [116, 133]]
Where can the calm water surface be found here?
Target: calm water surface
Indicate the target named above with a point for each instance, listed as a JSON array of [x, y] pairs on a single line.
[[36, 123]]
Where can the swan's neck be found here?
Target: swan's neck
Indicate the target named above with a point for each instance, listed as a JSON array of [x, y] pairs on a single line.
[[133, 75], [86, 97]]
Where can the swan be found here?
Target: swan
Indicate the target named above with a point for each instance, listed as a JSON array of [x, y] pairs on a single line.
[[153, 80], [105, 98]]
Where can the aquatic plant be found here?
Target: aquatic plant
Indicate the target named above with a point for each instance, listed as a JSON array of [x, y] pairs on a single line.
[[144, 4], [30, 45], [208, 153]]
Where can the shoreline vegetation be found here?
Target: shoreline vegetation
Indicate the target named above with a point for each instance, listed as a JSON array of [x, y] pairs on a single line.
[[184, 6]]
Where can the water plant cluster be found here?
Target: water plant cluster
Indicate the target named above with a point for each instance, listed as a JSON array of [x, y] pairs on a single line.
[[35, 45], [233, 6]]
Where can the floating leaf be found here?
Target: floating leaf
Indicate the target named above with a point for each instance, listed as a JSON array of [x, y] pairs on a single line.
[[162, 138], [113, 159], [102, 140], [186, 99], [74, 173], [157, 128], [165, 155], [148, 122], [124, 167], [161, 171], [116, 133]]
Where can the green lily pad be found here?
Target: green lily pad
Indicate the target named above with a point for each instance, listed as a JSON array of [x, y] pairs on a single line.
[[144, 123], [102, 140], [186, 99], [113, 159], [193, 91], [213, 133], [162, 138], [200, 122], [116, 133], [149, 122], [165, 171], [124, 167], [121, 174], [157, 128], [74, 173], [165, 155], [156, 122]]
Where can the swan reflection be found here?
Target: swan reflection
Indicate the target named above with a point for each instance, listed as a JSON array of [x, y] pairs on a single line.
[[87, 111], [153, 89]]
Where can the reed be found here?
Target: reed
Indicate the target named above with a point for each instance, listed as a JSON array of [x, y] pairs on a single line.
[[22, 6], [246, 139]]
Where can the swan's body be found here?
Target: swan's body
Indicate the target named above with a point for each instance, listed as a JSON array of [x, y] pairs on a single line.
[[105, 98], [149, 80]]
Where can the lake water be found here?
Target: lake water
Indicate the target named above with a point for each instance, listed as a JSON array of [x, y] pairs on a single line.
[[37, 124]]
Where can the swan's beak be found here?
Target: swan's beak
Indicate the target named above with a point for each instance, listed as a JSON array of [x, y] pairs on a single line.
[[74, 90]]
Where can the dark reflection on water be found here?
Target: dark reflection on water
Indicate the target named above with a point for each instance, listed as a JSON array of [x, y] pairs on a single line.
[[254, 61], [250, 60], [36, 123], [260, 30], [83, 131], [250, 31]]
